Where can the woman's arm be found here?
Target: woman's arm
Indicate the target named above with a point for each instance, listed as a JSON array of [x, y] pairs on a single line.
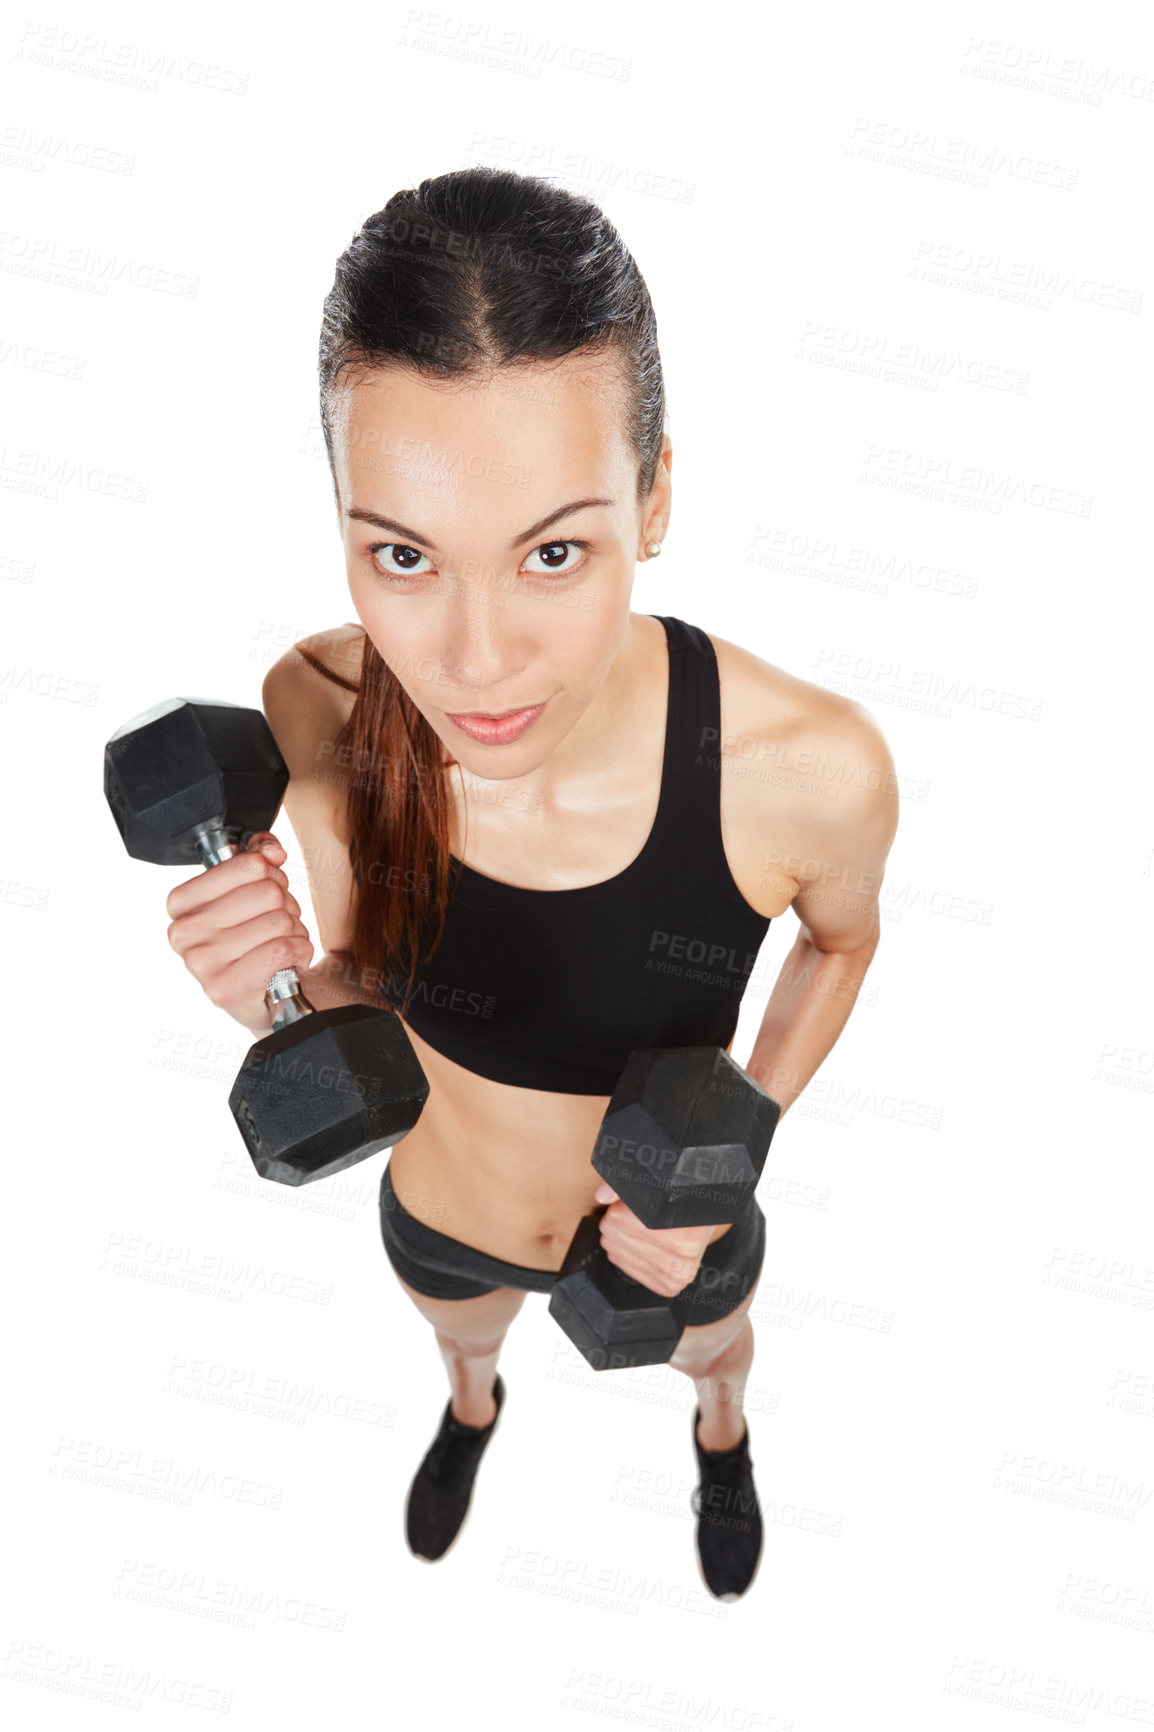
[[306, 712], [840, 857], [841, 865], [333, 981]]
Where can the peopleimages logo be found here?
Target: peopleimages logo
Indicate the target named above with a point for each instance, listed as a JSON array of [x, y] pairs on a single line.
[[441, 996], [676, 946]]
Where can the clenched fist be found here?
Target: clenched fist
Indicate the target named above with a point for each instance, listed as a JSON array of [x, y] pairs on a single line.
[[664, 1259], [235, 925]]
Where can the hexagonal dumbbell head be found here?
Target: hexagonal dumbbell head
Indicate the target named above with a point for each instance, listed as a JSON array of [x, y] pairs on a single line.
[[188, 764], [322, 1093], [685, 1136], [612, 1320]]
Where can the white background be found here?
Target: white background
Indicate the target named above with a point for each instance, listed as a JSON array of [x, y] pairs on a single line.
[[859, 228]]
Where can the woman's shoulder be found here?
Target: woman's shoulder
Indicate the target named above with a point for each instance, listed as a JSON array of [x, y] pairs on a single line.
[[320, 672], [812, 780], [763, 698], [308, 692], [340, 649], [785, 723]]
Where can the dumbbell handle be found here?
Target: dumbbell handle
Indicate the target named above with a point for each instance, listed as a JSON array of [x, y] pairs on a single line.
[[283, 995]]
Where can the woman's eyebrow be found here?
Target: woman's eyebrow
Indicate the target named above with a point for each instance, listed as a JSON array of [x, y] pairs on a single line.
[[357, 515]]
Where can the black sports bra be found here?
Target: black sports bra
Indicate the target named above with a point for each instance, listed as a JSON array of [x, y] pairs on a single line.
[[553, 989]]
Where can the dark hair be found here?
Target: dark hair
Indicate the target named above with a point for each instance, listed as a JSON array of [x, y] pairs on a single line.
[[478, 269]]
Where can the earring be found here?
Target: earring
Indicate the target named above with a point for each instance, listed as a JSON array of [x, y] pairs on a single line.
[[653, 548]]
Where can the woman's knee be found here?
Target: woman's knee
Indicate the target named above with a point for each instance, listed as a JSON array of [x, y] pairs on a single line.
[[701, 1347], [478, 1331]]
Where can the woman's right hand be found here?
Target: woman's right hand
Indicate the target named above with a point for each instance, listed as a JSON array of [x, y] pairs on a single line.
[[235, 925]]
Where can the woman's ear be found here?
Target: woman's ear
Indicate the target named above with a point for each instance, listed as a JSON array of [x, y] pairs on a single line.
[[660, 506]]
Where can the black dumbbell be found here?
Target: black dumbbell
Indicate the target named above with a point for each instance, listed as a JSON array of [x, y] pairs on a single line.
[[189, 782], [683, 1143]]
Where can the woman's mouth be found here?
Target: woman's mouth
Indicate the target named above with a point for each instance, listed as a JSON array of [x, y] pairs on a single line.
[[497, 730]]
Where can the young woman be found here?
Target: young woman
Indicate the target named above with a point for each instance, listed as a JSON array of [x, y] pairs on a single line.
[[547, 830]]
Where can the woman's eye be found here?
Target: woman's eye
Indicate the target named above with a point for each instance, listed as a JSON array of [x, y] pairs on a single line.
[[407, 559], [399, 562], [555, 556]]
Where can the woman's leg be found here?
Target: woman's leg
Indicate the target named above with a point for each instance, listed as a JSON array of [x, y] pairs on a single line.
[[718, 1356], [470, 1334], [716, 1347]]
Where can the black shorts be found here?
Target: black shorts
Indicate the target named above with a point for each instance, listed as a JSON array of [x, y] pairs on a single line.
[[444, 1268]]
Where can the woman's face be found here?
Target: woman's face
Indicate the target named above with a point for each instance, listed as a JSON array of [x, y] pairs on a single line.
[[491, 532]]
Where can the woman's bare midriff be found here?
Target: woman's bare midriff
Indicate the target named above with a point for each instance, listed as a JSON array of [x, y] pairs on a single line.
[[504, 1169]]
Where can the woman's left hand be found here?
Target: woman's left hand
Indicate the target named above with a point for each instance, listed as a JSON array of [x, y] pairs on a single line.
[[664, 1259]]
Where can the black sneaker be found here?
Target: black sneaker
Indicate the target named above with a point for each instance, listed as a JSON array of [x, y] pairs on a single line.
[[440, 1493], [729, 1531]]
